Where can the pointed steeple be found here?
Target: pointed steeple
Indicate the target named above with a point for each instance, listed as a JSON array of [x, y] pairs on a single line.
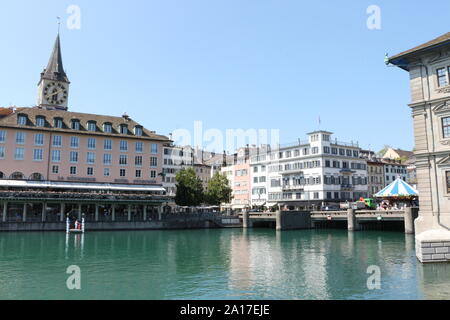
[[55, 70]]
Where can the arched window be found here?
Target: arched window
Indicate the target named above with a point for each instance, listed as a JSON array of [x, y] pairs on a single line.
[[17, 176], [36, 177]]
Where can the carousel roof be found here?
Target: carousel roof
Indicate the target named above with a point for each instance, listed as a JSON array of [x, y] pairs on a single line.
[[398, 188]]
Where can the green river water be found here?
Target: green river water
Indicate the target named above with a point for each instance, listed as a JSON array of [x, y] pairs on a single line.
[[217, 264]]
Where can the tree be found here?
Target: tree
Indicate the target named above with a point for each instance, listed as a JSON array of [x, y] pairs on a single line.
[[189, 188], [219, 190]]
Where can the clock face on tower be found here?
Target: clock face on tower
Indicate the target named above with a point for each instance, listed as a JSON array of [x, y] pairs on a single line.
[[55, 93]]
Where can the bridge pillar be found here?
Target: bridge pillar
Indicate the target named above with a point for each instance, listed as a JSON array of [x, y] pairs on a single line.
[[160, 209], [352, 224], [5, 211], [409, 221], [44, 211], [96, 212], [62, 214], [129, 212], [113, 212], [279, 220], [145, 212], [246, 223], [24, 216]]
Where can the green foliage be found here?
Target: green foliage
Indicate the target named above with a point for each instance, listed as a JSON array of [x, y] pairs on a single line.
[[219, 190], [189, 188]]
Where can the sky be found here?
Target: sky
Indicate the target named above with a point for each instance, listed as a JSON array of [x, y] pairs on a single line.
[[234, 64]]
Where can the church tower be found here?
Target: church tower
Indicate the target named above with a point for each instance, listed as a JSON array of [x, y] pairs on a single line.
[[53, 87]]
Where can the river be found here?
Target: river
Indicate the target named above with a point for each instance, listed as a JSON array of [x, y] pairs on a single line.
[[218, 264]]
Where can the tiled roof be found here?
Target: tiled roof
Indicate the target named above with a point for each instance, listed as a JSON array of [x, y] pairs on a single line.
[[55, 70], [404, 153], [5, 112], [445, 38], [32, 113]]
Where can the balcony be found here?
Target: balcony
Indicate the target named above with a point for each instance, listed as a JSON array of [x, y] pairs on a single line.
[[346, 171], [347, 187], [292, 188]]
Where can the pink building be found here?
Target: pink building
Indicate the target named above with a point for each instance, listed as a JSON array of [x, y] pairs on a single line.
[[238, 174], [55, 145], [56, 164]]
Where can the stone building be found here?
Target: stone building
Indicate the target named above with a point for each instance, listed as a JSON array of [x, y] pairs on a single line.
[[428, 66]]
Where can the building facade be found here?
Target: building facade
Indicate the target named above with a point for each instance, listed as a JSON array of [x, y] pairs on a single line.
[[376, 176], [313, 173], [175, 158], [238, 175], [394, 169], [428, 66]]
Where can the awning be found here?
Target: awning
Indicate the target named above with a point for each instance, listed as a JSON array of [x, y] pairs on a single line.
[[397, 189], [81, 186]]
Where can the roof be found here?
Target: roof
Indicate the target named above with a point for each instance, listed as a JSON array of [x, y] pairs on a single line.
[[319, 131], [55, 70], [5, 112], [10, 121], [404, 153], [398, 188], [401, 153], [400, 59]]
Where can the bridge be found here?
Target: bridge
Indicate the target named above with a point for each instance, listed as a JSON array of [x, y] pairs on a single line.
[[354, 219]]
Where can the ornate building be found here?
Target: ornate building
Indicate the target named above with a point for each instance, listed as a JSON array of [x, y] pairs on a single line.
[[429, 75]]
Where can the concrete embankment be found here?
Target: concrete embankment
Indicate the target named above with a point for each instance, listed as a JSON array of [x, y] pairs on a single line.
[[180, 221]]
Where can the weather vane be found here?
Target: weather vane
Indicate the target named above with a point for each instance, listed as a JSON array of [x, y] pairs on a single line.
[[59, 23]]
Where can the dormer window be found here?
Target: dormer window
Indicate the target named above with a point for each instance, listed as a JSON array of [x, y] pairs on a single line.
[[75, 124], [22, 120], [40, 121], [92, 126], [58, 123], [138, 131], [123, 129], [107, 127]]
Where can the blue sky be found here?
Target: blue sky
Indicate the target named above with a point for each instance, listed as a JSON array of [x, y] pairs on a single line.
[[231, 64]]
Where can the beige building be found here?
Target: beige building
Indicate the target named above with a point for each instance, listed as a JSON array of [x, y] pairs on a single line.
[[375, 176], [429, 75]]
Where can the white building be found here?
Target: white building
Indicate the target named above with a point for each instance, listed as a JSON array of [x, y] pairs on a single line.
[[320, 171], [175, 158], [394, 169]]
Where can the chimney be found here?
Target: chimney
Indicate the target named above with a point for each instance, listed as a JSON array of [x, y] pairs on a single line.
[[126, 116]]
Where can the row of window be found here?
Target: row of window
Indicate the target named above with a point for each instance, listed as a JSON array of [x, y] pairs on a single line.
[[315, 195], [171, 162], [75, 142], [107, 127], [55, 155], [308, 151], [396, 170], [345, 165], [295, 166], [106, 172]]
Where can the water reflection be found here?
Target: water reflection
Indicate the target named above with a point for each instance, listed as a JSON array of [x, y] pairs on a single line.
[[218, 264]]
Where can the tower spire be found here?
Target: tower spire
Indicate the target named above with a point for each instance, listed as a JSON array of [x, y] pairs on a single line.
[[55, 70]]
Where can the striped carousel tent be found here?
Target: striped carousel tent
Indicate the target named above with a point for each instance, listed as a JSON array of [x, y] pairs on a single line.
[[397, 189]]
